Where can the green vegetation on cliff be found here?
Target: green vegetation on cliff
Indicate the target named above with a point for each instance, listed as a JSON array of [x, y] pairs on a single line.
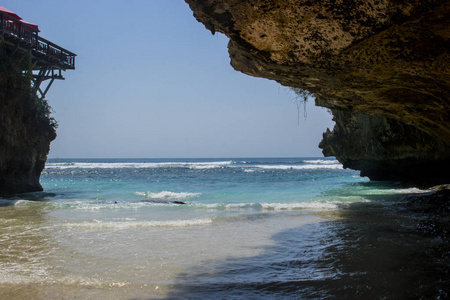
[[26, 127]]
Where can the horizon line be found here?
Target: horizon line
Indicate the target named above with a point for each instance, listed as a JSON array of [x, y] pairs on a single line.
[[206, 157]]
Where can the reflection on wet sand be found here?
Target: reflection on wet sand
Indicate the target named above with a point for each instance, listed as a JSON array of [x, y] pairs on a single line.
[[368, 252], [24, 247], [32, 261]]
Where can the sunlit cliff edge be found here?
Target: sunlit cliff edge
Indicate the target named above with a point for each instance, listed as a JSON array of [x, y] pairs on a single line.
[[381, 67]]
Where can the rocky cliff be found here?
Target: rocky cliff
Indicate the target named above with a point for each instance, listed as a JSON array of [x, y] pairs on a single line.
[[381, 66], [26, 129]]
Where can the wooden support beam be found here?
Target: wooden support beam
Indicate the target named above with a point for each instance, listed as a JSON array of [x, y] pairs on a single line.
[[45, 73], [48, 59], [48, 87]]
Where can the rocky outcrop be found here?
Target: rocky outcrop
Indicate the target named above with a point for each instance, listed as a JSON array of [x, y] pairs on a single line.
[[26, 129], [387, 149], [382, 67]]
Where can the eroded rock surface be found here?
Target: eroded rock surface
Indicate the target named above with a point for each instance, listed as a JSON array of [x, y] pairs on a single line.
[[382, 67]]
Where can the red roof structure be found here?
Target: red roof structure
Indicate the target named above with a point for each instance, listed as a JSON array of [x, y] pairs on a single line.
[[30, 24], [16, 17], [12, 14]]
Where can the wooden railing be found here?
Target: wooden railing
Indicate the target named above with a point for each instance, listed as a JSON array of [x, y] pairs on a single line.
[[55, 52], [28, 35]]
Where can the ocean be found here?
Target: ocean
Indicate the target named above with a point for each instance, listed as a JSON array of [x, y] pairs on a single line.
[[237, 228]]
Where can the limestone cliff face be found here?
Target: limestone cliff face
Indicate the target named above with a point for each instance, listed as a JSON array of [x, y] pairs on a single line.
[[381, 66], [386, 149], [26, 130]]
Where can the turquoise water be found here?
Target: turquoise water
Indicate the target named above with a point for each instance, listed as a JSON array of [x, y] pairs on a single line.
[[204, 228], [199, 182], [152, 190]]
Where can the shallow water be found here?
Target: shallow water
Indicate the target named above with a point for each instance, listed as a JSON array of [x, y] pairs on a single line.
[[254, 228]]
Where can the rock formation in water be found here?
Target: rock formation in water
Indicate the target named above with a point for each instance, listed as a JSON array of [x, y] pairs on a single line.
[[381, 66], [26, 129]]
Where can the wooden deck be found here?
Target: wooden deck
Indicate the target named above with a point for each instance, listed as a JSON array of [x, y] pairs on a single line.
[[19, 34], [48, 59]]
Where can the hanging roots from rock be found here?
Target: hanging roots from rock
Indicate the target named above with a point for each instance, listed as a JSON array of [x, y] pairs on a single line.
[[301, 97]]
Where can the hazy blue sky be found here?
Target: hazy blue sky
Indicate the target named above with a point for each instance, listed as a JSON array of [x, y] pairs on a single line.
[[150, 81]]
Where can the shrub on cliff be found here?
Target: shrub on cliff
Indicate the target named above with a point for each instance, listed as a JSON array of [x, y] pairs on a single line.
[[15, 82], [26, 127]]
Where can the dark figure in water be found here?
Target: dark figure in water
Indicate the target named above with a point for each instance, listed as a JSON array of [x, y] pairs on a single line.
[[178, 202], [162, 201]]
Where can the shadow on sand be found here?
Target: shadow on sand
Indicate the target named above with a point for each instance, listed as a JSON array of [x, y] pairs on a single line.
[[369, 251]]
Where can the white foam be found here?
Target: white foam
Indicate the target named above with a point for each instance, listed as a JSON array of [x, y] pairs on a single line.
[[293, 206], [322, 162], [300, 167], [21, 202], [16, 273], [144, 165], [274, 206], [26, 274], [408, 191], [394, 191], [167, 195], [100, 225], [208, 166], [84, 205]]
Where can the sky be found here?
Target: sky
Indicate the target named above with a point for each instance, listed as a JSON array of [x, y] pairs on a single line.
[[152, 82]]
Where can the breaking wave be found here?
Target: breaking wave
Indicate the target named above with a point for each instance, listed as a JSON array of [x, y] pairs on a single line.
[[101, 225], [167, 195], [300, 167], [140, 165], [274, 206], [321, 162]]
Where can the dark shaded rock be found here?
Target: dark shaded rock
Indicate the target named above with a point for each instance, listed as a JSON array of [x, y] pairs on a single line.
[[178, 202], [163, 201], [386, 149], [373, 63], [26, 129]]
